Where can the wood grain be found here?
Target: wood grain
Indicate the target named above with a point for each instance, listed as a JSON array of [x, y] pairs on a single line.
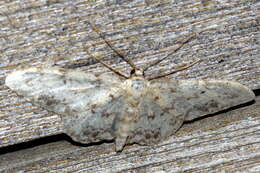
[[36, 33]]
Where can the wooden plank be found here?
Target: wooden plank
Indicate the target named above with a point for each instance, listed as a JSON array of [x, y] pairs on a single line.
[[226, 142], [40, 32]]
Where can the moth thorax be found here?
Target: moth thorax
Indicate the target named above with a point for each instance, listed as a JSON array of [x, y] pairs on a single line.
[[137, 85]]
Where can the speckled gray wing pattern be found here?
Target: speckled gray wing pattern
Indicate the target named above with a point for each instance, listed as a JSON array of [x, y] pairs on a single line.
[[87, 103], [166, 104], [196, 98], [155, 123]]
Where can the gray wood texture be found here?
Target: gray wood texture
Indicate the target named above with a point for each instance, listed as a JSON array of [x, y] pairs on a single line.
[[36, 33]]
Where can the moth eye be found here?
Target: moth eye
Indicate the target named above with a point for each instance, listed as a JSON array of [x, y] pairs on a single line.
[[132, 72]]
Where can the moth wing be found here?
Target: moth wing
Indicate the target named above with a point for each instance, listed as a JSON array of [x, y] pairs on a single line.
[[84, 101], [155, 123], [166, 104], [196, 98]]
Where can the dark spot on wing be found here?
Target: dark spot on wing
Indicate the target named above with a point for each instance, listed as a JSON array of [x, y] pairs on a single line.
[[147, 136], [202, 108], [173, 90], [62, 70], [111, 96], [202, 92], [151, 116], [162, 114], [212, 104], [50, 102], [156, 98], [41, 73], [94, 134], [93, 106], [105, 114], [156, 134]]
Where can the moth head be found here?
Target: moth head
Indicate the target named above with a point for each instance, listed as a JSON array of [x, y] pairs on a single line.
[[137, 72]]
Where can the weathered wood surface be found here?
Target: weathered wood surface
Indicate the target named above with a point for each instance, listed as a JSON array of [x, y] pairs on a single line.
[[41, 32]]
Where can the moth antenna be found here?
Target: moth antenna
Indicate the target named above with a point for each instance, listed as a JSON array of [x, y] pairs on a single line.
[[176, 70], [175, 50], [128, 61], [107, 66]]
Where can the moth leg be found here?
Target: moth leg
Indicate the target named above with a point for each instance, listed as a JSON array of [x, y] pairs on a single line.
[[176, 70], [111, 47]]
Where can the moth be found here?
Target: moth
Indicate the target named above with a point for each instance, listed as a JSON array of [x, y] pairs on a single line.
[[124, 108]]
